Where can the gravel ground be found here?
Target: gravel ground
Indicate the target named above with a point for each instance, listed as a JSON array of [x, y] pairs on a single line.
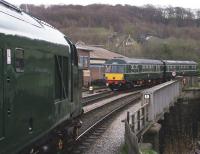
[[103, 102], [86, 93], [113, 138]]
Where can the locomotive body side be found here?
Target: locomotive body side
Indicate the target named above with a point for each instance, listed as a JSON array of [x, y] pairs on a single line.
[[39, 81]]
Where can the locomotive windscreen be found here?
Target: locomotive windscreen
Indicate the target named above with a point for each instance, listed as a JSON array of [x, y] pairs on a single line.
[[115, 69]]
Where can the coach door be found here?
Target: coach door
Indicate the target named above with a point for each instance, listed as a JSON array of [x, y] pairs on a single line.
[[1, 97]]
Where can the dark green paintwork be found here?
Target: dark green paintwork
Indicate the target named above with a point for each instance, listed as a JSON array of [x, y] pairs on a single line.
[[30, 94], [1, 99], [142, 76]]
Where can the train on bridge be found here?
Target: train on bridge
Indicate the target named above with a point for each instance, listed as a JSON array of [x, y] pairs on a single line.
[[130, 72], [40, 85]]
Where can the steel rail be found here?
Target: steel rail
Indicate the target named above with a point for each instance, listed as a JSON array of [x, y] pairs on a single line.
[[109, 114]]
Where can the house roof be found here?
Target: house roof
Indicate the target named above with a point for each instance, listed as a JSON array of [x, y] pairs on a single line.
[[83, 47], [97, 52], [100, 53]]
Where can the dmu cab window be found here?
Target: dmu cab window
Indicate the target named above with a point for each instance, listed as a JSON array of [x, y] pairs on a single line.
[[61, 77], [115, 68]]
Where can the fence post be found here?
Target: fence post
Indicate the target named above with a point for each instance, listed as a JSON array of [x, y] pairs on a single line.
[[133, 122], [138, 120], [143, 117], [128, 117]]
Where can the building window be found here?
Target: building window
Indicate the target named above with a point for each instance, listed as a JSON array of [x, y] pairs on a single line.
[[84, 61], [61, 77], [19, 60]]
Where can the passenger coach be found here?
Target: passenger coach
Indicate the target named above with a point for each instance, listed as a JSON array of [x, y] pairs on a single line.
[[179, 68]]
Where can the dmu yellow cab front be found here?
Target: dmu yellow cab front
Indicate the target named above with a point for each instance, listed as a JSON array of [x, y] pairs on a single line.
[[114, 75]]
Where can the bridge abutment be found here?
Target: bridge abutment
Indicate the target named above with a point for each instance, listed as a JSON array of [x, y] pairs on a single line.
[[152, 136]]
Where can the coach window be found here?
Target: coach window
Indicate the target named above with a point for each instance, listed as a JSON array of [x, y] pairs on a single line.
[[181, 67], [142, 68], [19, 60], [129, 68], [146, 68], [135, 68], [158, 68], [154, 68], [176, 68]]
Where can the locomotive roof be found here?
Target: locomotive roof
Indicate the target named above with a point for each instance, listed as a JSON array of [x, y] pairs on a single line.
[[133, 61], [16, 22], [180, 62]]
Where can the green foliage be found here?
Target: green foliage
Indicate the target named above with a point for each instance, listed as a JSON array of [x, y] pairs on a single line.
[[129, 29], [147, 151], [172, 48], [124, 149], [198, 67], [96, 35]]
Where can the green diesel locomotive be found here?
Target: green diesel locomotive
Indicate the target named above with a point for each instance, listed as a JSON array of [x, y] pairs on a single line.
[[40, 85]]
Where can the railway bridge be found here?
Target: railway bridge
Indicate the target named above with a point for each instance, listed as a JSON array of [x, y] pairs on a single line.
[[142, 123]]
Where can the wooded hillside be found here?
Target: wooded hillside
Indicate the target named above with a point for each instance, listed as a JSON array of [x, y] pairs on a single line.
[[172, 33]]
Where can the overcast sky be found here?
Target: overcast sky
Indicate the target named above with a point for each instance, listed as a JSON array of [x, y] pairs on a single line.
[[194, 4]]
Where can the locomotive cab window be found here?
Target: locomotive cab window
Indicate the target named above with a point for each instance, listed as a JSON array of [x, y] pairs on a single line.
[[61, 77], [75, 55], [19, 60]]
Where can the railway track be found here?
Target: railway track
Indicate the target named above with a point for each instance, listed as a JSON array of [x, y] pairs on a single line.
[[94, 120], [97, 97], [97, 88], [104, 94]]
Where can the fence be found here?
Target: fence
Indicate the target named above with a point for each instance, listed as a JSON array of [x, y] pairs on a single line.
[[155, 102]]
